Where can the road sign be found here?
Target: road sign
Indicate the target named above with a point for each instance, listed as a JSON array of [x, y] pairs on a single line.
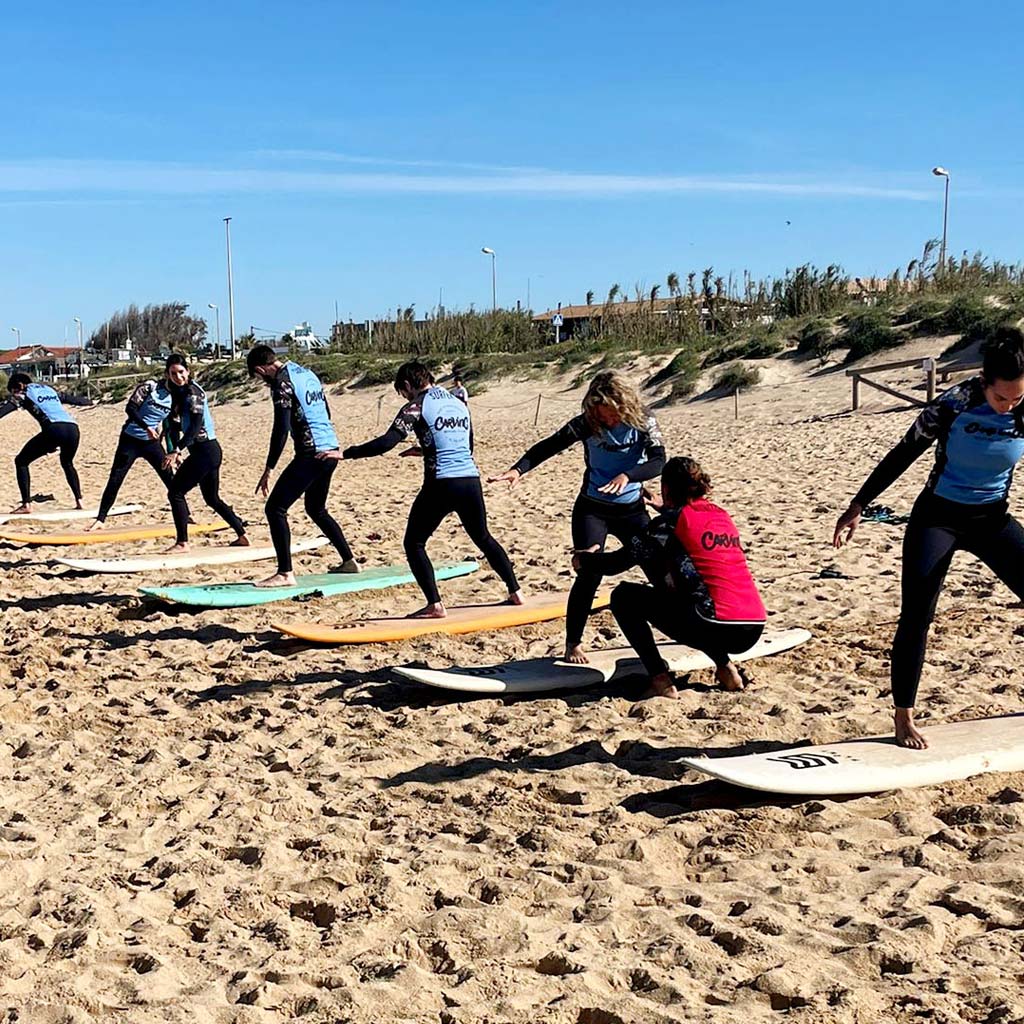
[[557, 320]]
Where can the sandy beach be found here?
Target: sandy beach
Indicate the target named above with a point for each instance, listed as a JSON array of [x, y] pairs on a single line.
[[201, 821]]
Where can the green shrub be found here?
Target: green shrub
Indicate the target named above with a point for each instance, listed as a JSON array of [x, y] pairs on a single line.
[[736, 378], [816, 338], [761, 345], [869, 332], [924, 312]]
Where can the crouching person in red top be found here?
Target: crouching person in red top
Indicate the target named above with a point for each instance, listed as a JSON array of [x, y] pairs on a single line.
[[701, 592]]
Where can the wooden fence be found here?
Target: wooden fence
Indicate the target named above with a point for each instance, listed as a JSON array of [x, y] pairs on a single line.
[[932, 372]]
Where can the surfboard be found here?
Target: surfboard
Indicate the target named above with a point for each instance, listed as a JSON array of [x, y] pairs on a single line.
[[104, 536], [537, 675], [68, 514], [875, 764], [200, 556], [241, 595], [469, 618]]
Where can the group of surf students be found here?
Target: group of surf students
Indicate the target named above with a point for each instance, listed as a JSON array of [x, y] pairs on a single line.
[[700, 592]]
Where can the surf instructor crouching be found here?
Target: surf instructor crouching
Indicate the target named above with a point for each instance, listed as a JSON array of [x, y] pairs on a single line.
[[978, 429]]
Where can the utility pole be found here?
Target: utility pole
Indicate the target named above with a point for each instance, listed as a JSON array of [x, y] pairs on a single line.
[[231, 290]]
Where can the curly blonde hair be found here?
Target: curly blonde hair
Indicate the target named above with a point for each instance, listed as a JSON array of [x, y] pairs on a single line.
[[613, 391]]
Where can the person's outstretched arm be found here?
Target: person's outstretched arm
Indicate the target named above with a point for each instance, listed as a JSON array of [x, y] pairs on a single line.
[[577, 429], [399, 430], [6, 408]]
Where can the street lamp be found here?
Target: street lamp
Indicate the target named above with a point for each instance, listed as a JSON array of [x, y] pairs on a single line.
[[941, 172], [79, 322], [17, 331], [494, 279], [231, 293], [217, 311]]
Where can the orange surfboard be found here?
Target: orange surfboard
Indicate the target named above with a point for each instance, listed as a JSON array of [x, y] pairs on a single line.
[[104, 536], [469, 618]]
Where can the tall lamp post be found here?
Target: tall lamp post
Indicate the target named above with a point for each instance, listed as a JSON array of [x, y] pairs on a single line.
[[79, 323], [17, 331], [494, 279], [217, 311], [941, 172], [231, 293]]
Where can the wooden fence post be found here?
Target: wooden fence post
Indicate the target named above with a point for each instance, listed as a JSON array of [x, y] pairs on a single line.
[[536, 415], [380, 402], [856, 392], [929, 368], [736, 404]]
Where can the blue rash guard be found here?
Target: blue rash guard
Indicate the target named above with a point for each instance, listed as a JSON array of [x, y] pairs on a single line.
[[300, 407], [443, 430], [977, 449], [196, 418], [41, 402], [607, 451], [149, 405]]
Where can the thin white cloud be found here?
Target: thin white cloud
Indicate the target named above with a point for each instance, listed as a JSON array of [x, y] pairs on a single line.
[[115, 178], [328, 156]]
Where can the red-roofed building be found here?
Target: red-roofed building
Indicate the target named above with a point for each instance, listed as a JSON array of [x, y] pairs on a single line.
[[41, 361]]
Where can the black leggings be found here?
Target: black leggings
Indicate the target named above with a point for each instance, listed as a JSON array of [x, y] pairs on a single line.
[[637, 606], [128, 450], [592, 521], [438, 498], [312, 478], [64, 436], [202, 467], [936, 530]]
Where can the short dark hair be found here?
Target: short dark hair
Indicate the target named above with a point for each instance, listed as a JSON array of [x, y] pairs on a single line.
[[260, 355], [18, 380], [415, 375], [1004, 355], [684, 480], [176, 359]]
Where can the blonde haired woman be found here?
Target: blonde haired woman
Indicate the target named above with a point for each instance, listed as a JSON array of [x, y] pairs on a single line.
[[622, 448]]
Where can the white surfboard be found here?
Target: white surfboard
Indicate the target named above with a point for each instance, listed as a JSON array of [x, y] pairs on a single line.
[[195, 557], [68, 514], [539, 674], [875, 764]]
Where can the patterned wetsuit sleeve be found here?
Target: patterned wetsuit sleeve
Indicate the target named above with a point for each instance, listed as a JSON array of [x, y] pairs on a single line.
[[654, 449], [577, 429], [932, 421], [399, 430], [11, 405], [282, 395], [192, 402], [138, 396], [66, 398]]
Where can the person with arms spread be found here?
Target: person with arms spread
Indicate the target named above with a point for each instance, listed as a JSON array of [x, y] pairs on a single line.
[[198, 438], [57, 432], [701, 592], [978, 429], [622, 447], [300, 409], [451, 481]]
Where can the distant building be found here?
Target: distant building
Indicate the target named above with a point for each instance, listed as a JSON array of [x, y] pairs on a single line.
[[43, 362], [589, 319]]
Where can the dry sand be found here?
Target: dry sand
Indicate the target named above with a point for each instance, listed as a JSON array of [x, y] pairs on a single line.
[[200, 821]]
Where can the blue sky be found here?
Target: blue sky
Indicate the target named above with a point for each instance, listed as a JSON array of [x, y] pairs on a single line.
[[367, 152]]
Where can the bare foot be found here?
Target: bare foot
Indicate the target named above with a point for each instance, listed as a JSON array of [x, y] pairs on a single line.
[[96, 525], [350, 565], [575, 655], [279, 579], [240, 542], [729, 676], [79, 505], [21, 510], [178, 549], [516, 598], [906, 734], [429, 611], [662, 685]]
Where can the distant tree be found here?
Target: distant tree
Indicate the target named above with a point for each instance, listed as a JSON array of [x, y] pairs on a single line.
[[613, 292], [152, 329], [590, 297]]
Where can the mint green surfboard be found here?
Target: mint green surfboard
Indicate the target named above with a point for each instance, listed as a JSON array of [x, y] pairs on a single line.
[[241, 595]]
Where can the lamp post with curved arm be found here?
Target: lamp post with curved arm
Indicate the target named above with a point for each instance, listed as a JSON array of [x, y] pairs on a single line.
[[941, 172], [494, 279]]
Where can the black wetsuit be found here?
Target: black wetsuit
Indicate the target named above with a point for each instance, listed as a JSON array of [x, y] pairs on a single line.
[[441, 424], [962, 507], [57, 432], [202, 467], [301, 410], [640, 455]]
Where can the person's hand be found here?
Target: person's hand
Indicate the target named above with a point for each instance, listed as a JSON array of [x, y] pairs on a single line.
[[511, 477], [331, 456], [652, 499], [583, 551], [848, 521], [616, 485], [172, 460], [263, 486], [154, 433], [415, 452]]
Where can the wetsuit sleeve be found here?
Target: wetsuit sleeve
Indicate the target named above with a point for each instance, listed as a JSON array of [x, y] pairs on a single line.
[[932, 421], [69, 399], [138, 396], [654, 449], [6, 408], [399, 430], [279, 433], [194, 402], [577, 429]]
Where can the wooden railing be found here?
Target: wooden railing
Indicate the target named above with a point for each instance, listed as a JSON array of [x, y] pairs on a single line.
[[931, 370]]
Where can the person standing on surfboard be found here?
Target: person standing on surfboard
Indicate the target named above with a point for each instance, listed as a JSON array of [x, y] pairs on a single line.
[[451, 481], [978, 429], [701, 592], [300, 408], [148, 408], [622, 448], [57, 432], [202, 467]]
